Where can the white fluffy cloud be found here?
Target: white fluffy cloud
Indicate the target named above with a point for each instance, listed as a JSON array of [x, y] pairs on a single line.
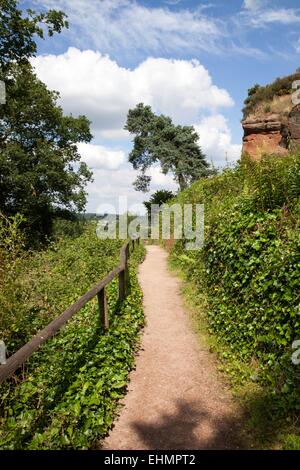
[[99, 157], [109, 186], [159, 180], [97, 86], [216, 141], [93, 84]]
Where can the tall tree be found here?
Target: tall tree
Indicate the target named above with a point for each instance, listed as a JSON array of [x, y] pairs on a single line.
[[158, 140], [40, 168], [159, 198]]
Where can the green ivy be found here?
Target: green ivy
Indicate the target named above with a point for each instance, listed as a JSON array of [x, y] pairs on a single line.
[[249, 267], [69, 396]]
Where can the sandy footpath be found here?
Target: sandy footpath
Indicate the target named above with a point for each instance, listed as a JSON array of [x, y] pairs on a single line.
[[175, 399]]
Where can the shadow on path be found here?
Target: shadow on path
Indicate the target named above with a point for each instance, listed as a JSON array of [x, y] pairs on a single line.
[[178, 430]]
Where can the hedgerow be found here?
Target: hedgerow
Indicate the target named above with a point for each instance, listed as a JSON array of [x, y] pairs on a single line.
[[249, 268]]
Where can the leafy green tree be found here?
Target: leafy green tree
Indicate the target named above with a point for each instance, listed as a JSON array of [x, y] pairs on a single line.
[[160, 197], [18, 29], [40, 168], [158, 140]]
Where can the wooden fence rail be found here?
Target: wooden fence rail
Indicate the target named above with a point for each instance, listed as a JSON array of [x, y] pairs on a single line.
[[21, 356]]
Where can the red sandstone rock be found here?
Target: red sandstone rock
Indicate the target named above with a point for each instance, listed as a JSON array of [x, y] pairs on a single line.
[[258, 144], [272, 133]]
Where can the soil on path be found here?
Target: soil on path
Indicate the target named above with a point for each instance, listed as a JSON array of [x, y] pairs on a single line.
[[176, 399]]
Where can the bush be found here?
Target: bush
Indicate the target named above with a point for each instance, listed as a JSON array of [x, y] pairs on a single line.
[[273, 182], [71, 228], [250, 266], [11, 258], [11, 243]]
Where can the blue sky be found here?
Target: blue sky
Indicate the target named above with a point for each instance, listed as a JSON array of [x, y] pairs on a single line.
[[193, 60]]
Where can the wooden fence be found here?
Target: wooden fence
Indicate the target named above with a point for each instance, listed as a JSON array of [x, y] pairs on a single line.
[[24, 353]]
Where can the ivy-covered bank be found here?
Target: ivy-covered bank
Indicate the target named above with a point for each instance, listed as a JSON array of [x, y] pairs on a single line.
[[71, 389], [249, 272]]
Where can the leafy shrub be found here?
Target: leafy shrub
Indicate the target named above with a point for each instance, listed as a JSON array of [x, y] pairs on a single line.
[[11, 258], [11, 243], [273, 182], [250, 266], [71, 228]]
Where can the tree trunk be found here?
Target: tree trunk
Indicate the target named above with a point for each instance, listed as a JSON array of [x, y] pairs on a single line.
[[182, 182]]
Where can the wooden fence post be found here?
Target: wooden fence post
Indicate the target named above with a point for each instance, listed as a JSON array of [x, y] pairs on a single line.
[[102, 301], [122, 285], [123, 275]]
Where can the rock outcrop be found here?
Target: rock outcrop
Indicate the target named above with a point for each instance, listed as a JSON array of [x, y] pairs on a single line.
[[264, 134], [271, 133]]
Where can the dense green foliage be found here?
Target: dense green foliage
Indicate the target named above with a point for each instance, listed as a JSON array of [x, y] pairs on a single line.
[[40, 168], [42, 284], [249, 268], [67, 395], [264, 94], [158, 140], [11, 243]]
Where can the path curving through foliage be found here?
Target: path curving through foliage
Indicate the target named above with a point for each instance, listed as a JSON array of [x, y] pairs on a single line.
[[176, 399]]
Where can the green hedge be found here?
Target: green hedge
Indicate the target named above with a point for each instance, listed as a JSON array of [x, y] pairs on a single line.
[[249, 266]]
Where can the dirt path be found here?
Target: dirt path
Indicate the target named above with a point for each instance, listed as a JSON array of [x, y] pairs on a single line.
[[175, 398]]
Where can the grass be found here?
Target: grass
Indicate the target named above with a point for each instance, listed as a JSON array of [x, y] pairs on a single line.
[[265, 94], [279, 105]]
